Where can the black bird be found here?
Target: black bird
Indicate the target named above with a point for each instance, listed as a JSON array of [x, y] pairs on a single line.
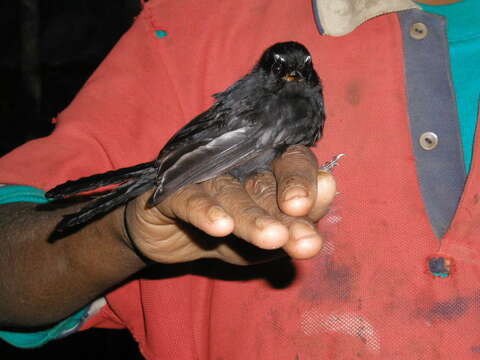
[[278, 104]]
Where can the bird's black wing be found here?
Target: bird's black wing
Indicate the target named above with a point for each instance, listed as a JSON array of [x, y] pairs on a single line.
[[204, 160], [214, 142]]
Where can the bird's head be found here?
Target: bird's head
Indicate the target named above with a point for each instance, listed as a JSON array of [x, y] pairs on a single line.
[[289, 61]]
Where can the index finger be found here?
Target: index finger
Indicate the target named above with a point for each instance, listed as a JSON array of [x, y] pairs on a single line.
[[296, 173]]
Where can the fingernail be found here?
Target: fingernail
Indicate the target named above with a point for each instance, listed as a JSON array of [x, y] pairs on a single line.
[[303, 231], [307, 242], [216, 213], [295, 193], [262, 222]]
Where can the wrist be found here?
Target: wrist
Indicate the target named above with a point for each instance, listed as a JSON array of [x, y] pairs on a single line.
[[129, 239]]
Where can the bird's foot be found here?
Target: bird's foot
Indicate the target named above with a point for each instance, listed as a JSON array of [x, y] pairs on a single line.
[[330, 165]]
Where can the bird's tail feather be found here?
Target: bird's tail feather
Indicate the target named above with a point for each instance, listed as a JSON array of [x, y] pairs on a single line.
[[107, 202], [70, 188]]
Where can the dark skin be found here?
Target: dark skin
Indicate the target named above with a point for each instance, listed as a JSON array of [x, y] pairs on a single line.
[[47, 282]]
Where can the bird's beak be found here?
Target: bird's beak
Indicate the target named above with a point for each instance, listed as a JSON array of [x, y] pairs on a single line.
[[294, 75]]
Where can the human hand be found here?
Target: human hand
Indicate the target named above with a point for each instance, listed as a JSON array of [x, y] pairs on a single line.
[[270, 211]]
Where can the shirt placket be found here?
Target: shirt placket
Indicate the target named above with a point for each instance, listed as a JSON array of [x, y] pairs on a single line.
[[433, 116]]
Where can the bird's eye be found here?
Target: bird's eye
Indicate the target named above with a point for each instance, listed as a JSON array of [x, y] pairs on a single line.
[[308, 59], [278, 57]]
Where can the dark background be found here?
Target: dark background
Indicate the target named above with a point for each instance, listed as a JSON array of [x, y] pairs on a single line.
[[48, 50]]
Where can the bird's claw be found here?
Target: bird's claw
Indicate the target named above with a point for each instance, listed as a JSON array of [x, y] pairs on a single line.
[[330, 165]]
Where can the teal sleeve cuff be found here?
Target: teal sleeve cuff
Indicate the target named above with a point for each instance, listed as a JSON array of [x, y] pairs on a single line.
[[30, 340], [20, 193]]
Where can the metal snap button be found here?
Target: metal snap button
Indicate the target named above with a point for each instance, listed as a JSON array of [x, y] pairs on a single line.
[[418, 31], [428, 140]]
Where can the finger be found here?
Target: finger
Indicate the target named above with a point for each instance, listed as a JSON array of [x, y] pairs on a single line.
[[193, 205], [304, 240], [252, 223], [326, 191], [296, 174]]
